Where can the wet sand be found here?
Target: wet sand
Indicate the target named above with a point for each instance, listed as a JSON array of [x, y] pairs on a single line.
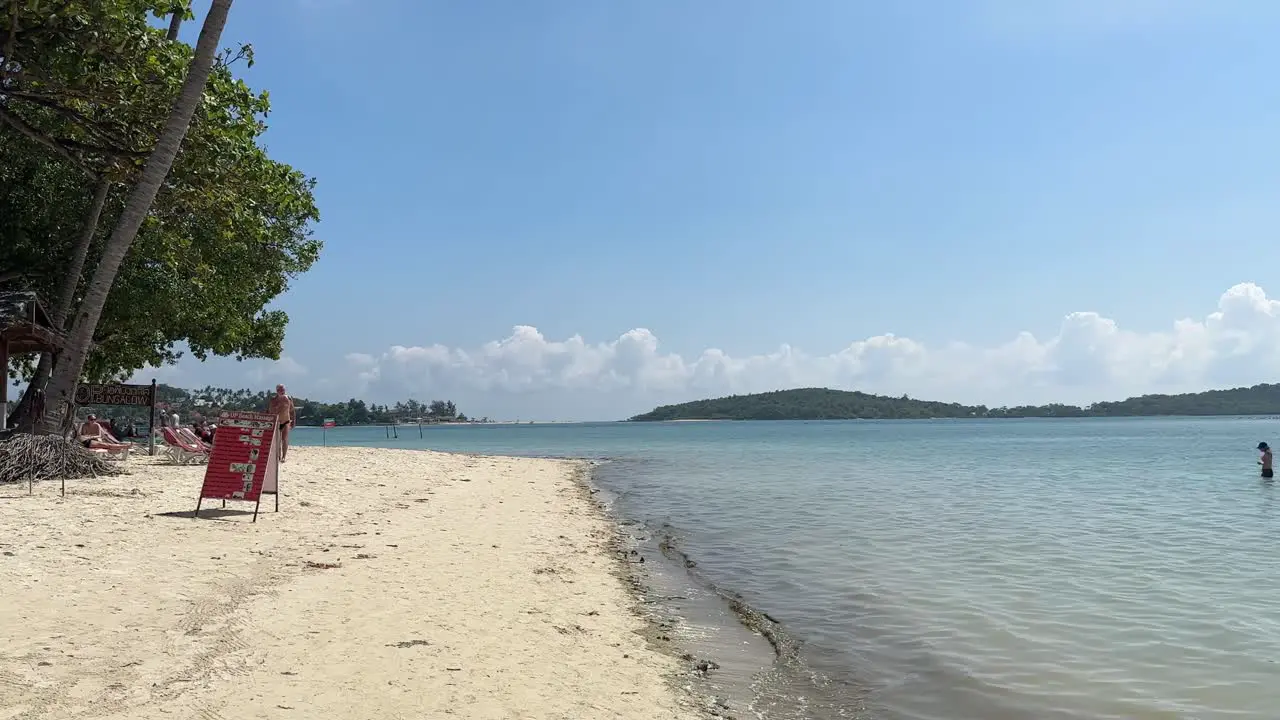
[[391, 584]]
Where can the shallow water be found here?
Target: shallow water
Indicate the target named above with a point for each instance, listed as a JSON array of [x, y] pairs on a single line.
[[1046, 569]]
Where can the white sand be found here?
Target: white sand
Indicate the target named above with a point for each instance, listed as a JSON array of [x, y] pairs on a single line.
[[465, 587]]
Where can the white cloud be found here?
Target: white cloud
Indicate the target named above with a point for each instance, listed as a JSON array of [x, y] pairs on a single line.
[[1090, 358]]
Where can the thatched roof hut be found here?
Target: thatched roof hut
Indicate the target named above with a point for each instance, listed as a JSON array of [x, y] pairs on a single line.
[[25, 327]]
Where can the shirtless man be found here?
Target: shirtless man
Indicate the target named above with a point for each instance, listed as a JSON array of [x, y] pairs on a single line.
[[94, 437], [281, 406]]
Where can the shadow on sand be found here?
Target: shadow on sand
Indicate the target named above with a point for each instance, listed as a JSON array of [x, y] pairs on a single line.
[[208, 513]]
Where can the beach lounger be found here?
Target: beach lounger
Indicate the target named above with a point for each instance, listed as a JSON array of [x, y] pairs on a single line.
[[181, 451], [194, 440], [110, 455]]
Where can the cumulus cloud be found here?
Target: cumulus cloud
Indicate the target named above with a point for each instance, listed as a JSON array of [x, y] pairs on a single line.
[[1089, 358]]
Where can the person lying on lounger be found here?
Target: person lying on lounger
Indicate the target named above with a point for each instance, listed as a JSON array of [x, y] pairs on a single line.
[[94, 437], [105, 432]]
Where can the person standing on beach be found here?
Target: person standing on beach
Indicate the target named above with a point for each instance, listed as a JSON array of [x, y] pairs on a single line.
[[281, 405], [1265, 462]]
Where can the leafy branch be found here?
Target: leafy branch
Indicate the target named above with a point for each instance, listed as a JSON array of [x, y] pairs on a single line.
[[56, 146]]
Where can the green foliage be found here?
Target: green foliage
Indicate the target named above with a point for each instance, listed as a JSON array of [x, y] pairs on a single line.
[[209, 401], [824, 404], [230, 227], [92, 76], [41, 202], [442, 409], [1261, 399], [206, 273]]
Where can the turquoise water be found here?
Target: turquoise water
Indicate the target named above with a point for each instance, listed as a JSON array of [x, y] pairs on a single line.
[[957, 570]]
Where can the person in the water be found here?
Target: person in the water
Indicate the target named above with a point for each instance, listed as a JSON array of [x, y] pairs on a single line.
[[1265, 462]]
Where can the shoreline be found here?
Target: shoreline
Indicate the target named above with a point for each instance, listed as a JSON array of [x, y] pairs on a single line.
[[496, 589], [742, 661], [655, 583]]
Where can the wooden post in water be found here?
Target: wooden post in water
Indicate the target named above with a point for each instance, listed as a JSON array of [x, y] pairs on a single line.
[[419, 428]]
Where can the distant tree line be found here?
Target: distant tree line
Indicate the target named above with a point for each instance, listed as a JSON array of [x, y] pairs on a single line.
[[825, 404], [209, 401]]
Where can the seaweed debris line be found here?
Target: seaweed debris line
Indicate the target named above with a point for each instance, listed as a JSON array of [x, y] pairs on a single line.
[[789, 688]]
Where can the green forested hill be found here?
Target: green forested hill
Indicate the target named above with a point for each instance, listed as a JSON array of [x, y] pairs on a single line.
[[824, 404]]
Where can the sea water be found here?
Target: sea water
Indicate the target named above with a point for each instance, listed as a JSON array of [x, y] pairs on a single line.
[[957, 570]]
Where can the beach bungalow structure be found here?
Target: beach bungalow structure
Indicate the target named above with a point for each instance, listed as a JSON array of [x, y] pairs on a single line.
[[25, 327]]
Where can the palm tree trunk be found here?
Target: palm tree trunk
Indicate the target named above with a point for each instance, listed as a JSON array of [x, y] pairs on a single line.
[[66, 298], [66, 375], [175, 23], [71, 281]]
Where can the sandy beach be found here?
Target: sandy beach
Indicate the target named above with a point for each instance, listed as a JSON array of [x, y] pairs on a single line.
[[391, 584]]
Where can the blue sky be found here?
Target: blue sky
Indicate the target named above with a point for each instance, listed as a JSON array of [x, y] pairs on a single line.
[[743, 175]]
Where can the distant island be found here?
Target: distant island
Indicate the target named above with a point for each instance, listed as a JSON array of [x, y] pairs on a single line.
[[825, 404]]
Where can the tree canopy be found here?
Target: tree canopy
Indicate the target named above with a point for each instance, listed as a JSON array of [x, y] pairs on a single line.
[[86, 86], [824, 404]]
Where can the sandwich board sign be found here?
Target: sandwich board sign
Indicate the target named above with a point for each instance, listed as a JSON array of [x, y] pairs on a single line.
[[244, 464]]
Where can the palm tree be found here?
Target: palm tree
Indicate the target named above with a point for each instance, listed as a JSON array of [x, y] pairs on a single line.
[[70, 364], [178, 12]]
